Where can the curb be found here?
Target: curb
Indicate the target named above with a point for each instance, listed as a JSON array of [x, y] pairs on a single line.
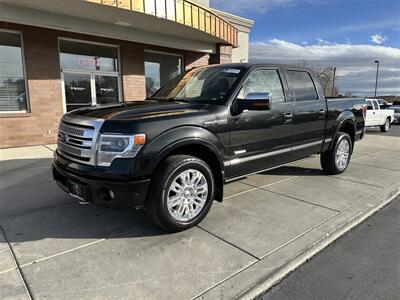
[[261, 288]]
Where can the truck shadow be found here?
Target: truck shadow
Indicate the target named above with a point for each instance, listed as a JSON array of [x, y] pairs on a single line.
[[33, 208]]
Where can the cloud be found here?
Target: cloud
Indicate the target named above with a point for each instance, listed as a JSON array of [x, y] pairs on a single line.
[[355, 63], [378, 38], [257, 6], [323, 42]]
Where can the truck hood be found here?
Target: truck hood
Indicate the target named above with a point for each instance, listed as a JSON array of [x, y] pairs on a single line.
[[140, 110]]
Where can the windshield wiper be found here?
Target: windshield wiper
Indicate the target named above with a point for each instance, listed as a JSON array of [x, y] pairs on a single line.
[[172, 99]]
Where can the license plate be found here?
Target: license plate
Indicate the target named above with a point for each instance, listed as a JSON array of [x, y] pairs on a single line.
[[76, 190]]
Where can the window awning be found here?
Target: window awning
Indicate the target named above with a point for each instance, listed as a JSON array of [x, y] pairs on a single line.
[[183, 12]]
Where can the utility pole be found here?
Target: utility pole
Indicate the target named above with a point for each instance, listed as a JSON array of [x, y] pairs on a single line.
[[377, 74], [334, 79]]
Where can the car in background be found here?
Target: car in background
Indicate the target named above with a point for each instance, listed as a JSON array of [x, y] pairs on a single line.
[[396, 109], [376, 116]]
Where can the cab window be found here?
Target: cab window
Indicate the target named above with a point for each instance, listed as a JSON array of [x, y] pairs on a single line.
[[302, 85], [264, 81]]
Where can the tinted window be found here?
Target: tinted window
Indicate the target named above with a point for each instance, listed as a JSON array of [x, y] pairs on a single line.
[[12, 78], [159, 69], [302, 85], [369, 105], [263, 81]]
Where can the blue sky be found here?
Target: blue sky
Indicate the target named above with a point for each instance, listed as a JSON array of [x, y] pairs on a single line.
[[348, 34]]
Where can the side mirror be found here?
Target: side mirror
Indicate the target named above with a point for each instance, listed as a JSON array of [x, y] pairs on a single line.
[[254, 101]]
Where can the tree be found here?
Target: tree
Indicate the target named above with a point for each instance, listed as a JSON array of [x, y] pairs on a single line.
[[325, 75]]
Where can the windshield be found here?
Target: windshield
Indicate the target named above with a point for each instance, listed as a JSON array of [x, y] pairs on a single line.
[[209, 85]]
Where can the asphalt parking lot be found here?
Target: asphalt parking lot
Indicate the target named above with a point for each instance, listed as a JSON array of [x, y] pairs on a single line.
[[365, 264], [53, 248]]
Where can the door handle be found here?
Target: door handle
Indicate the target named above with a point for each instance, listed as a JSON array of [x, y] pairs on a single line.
[[288, 117]]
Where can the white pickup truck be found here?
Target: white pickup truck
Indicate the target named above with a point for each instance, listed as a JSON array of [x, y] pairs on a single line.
[[378, 117]]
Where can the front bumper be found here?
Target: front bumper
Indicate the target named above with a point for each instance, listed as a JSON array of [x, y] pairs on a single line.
[[97, 191]]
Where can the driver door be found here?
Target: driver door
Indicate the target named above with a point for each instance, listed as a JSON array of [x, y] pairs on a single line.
[[261, 139]]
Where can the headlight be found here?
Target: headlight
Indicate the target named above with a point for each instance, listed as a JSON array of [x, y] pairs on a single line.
[[118, 146]]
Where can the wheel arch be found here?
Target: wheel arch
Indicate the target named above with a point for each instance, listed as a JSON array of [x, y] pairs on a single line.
[[199, 143], [346, 122]]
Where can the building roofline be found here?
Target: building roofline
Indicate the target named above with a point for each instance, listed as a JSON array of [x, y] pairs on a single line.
[[237, 19]]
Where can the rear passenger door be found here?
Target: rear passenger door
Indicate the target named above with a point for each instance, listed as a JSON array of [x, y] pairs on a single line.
[[309, 113]]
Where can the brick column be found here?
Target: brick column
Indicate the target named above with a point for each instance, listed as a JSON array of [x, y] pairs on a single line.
[[223, 55], [133, 77]]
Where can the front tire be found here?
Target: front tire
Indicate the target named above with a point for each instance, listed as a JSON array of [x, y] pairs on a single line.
[[181, 193], [385, 127], [336, 160]]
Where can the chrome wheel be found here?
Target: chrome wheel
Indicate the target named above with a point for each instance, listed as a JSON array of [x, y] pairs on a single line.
[[343, 154], [187, 195], [387, 125]]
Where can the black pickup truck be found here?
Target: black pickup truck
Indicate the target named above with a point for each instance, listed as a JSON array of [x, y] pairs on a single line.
[[172, 153]]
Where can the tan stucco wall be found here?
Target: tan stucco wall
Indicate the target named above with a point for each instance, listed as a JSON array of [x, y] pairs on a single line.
[[241, 53], [205, 3]]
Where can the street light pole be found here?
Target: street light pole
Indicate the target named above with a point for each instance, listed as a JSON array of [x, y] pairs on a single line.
[[377, 72], [334, 79]]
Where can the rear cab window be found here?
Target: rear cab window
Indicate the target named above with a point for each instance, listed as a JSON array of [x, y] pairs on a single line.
[[302, 85]]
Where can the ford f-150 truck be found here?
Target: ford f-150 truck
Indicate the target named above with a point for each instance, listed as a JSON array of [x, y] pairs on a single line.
[[172, 153]]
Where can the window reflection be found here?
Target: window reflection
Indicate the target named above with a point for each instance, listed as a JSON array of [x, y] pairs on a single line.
[[302, 85], [12, 80], [159, 69], [74, 55]]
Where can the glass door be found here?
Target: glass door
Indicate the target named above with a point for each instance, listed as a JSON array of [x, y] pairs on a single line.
[[83, 90], [106, 87], [78, 90]]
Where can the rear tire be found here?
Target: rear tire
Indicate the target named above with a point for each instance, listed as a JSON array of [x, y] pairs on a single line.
[[385, 127], [181, 193], [336, 160]]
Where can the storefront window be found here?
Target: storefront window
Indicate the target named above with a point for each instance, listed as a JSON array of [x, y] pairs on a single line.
[[159, 69], [83, 56], [90, 74], [13, 96]]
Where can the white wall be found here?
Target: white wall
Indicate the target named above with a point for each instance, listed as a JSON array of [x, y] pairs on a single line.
[[241, 54], [205, 3]]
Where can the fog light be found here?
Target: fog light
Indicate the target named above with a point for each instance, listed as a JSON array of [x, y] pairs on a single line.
[[112, 196]]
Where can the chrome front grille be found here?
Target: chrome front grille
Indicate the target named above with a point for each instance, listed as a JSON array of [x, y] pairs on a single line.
[[70, 150], [71, 130], [77, 139]]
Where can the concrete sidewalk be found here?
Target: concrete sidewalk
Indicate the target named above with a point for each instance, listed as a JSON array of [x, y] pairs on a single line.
[[50, 247]]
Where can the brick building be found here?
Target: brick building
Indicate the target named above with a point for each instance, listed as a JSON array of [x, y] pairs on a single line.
[[56, 55]]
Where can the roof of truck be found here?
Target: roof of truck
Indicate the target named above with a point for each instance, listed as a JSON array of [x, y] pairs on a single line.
[[247, 65]]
